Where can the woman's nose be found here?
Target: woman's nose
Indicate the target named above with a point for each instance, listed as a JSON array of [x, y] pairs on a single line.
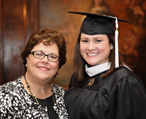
[[91, 46], [45, 59]]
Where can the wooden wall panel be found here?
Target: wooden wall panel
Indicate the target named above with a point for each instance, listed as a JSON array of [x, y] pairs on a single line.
[[1, 45], [18, 20]]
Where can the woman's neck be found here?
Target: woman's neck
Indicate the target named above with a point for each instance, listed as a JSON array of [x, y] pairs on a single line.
[[40, 90]]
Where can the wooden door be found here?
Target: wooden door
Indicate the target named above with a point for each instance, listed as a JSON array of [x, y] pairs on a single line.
[[18, 20]]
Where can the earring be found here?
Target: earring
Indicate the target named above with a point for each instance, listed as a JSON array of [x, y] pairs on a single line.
[[26, 65], [111, 47]]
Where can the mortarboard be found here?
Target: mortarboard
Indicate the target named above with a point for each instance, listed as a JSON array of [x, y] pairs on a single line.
[[101, 24]]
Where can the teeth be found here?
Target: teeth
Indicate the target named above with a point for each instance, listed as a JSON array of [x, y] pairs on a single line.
[[92, 54], [43, 68]]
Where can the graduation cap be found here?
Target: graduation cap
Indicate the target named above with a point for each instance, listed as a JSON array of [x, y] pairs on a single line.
[[101, 24]]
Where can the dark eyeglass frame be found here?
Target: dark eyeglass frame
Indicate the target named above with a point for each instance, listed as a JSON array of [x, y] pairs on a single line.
[[48, 56]]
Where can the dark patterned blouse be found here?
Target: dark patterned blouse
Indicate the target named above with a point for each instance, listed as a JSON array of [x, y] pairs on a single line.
[[16, 103]]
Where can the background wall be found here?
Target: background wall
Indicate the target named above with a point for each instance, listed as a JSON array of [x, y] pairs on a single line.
[[18, 19], [27, 16]]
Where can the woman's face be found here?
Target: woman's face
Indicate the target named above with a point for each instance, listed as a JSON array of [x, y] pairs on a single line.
[[95, 49], [42, 69]]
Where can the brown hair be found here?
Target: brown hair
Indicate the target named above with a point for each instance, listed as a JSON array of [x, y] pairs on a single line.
[[47, 37], [79, 62]]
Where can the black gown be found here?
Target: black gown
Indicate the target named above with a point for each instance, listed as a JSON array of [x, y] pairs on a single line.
[[118, 96]]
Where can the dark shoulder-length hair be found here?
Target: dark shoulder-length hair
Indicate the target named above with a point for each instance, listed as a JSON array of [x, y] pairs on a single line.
[[47, 37], [79, 62]]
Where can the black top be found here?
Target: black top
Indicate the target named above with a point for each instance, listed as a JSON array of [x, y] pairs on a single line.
[[49, 103], [118, 96]]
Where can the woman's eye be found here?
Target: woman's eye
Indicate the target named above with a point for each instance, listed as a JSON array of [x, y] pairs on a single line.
[[98, 40], [84, 41], [39, 54], [53, 56]]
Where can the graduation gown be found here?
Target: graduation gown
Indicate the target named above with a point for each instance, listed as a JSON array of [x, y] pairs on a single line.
[[121, 95]]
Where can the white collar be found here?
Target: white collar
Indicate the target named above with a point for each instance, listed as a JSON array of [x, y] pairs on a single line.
[[94, 70]]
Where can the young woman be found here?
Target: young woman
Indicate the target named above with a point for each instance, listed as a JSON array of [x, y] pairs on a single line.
[[102, 87], [33, 96]]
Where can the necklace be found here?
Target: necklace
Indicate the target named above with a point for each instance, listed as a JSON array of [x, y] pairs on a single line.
[[34, 96]]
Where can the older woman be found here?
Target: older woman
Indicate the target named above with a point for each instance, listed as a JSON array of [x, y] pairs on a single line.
[[33, 95]]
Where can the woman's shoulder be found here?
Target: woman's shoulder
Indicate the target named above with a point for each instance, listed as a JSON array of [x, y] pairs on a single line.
[[11, 92], [126, 76], [123, 72], [10, 86]]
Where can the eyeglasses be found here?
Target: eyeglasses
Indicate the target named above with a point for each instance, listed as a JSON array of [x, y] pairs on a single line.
[[41, 55]]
